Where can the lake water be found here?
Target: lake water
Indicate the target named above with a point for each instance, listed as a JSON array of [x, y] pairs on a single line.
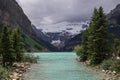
[[59, 66]]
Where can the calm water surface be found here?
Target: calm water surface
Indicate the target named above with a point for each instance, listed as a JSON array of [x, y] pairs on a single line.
[[59, 66]]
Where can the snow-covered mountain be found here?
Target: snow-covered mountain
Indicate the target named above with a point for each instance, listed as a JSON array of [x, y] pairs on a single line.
[[61, 32], [71, 27]]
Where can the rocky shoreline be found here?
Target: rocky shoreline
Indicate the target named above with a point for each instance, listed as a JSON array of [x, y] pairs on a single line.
[[104, 74], [111, 75], [19, 71]]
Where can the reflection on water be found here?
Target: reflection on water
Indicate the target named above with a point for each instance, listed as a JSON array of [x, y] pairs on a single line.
[[59, 66]]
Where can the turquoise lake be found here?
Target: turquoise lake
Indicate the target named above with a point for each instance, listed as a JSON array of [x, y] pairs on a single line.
[[59, 66]]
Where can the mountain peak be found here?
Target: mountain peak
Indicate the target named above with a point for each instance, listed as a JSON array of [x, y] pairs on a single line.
[[118, 6]]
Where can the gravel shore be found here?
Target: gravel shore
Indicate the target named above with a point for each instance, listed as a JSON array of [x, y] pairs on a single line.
[[19, 71]]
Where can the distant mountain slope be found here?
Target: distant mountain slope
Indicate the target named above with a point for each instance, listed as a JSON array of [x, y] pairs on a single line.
[[12, 14], [71, 43], [32, 45], [59, 34]]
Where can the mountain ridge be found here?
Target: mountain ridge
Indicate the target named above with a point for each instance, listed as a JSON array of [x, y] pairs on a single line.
[[114, 29], [114, 21], [12, 15]]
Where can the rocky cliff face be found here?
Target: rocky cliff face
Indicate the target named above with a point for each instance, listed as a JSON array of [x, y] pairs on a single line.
[[114, 21], [12, 14], [114, 16]]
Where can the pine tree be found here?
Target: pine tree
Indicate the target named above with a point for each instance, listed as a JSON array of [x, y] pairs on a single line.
[[7, 50], [18, 44], [84, 54], [98, 38], [91, 34]]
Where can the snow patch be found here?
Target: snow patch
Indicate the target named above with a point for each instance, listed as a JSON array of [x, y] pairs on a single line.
[[70, 27]]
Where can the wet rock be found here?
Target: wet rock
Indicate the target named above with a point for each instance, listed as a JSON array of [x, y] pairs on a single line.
[[103, 70], [114, 72]]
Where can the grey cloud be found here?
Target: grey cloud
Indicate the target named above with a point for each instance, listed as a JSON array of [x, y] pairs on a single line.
[[53, 11]]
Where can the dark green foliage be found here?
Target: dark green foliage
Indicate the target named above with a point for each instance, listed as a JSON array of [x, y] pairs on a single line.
[[31, 44], [79, 50], [95, 39], [30, 58], [18, 44], [111, 64], [98, 38], [107, 64], [12, 47], [3, 73], [116, 65], [116, 47], [7, 51], [84, 54]]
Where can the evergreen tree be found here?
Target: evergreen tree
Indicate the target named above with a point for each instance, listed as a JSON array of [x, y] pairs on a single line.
[[18, 44], [100, 38], [95, 40], [84, 54], [7, 50], [92, 34]]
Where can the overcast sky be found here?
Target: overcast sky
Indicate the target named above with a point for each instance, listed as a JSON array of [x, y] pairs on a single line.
[[53, 11]]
